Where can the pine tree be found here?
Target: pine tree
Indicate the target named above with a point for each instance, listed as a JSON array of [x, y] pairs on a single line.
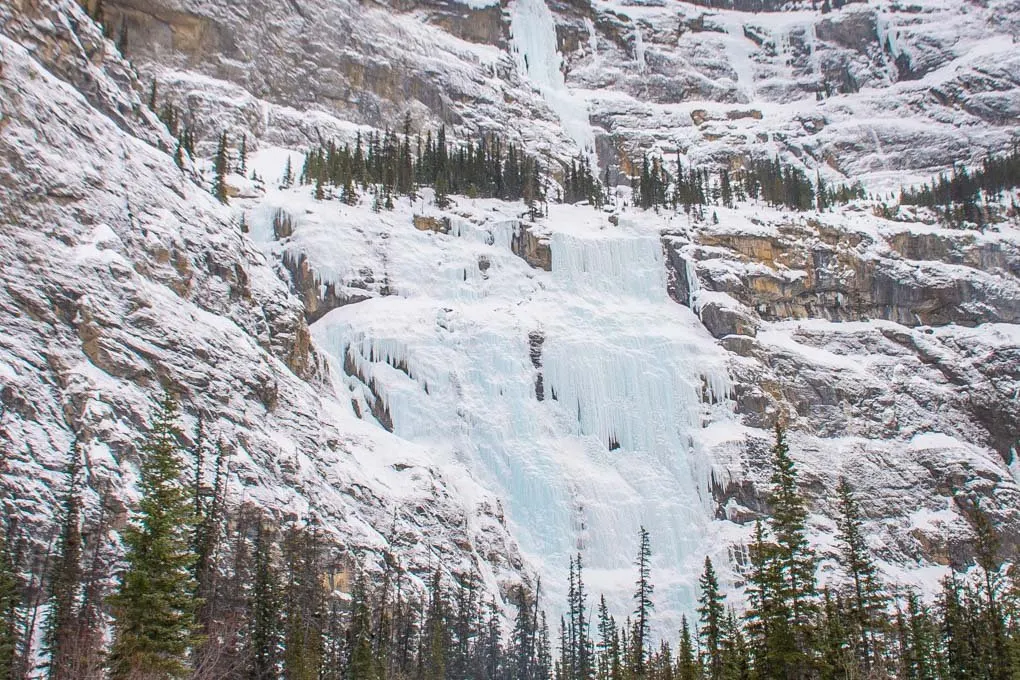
[[63, 625], [961, 655], [264, 621], [320, 190], [363, 661], [436, 634], [643, 605], [986, 550], [220, 169], [686, 664], [794, 558], [712, 614], [10, 602], [154, 609], [835, 658], [242, 156], [918, 641], [209, 511], [288, 175], [303, 604], [736, 661], [767, 622], [866, 599]]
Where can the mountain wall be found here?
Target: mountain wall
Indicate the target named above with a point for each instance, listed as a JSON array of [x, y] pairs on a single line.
[[452, 384]]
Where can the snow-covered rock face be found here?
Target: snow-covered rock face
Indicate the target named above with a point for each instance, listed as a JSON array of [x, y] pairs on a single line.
[[121, 277], [876, 90], [589, 398], [564, 381]]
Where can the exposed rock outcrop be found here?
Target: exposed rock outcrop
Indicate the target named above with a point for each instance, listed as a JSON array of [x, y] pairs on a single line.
[[813, 271], [531, 247], [440, 225], [319, 297]]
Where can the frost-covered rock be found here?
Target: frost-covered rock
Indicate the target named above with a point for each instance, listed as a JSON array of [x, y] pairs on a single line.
[[122, 278], [555, 383]]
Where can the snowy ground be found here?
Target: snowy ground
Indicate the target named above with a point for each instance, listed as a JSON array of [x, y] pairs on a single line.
[[642, 418], [629, 376]]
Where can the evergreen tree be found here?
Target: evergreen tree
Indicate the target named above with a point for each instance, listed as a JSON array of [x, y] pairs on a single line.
[[242, 156], [712, 615], [835, 658], [986, 550], [10, 602], [303, 608], [794, 558], [64, 625], [686, 664], [220, 169], [524, 637], [736, 661], [264, 622], [364, 664], [287, 181], [867, 600], [154, 609], [642, 605], [767, 621], [436, 634]]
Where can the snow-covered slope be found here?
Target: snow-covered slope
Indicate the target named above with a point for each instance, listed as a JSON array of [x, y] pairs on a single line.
[[121, 277], [559, 382], [586, 389]]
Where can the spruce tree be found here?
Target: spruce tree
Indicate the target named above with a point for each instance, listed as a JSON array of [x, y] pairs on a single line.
[[712, 612], [303, 608], [686, 664], [986, 550], [220, 169], [794, 558], [436, 634], [767, 621], [154, 609], [264, 636], [288, 175], [10, 602], [242, 156], [642, 605], [63, 625], [363, 663], [866, 598], [736, 660]]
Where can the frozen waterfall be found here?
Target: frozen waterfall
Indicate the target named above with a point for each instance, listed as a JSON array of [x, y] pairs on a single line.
[[628, 378], [534, 39]]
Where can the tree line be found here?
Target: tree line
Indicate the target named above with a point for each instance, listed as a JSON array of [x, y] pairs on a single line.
[[388, 164], [397, 165], [966, 196], [769, 180], [203, 590]]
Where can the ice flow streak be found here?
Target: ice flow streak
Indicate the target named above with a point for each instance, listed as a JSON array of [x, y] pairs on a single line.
[[627, 379], [534, 38]]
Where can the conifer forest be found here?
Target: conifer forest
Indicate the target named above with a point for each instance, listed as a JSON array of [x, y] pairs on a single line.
[[210, 591], [510, 340]]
